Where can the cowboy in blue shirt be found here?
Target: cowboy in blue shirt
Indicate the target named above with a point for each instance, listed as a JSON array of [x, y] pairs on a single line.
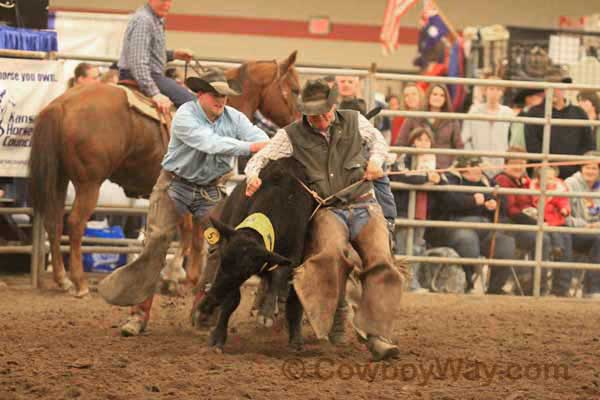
[[206, 136], [144, 56]]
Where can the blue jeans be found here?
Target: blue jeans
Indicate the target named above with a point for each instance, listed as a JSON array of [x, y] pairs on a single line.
[[589, 244], [561, 278], [471, 243], [167, 86], [525, 242], [197, 200], [354, 218]]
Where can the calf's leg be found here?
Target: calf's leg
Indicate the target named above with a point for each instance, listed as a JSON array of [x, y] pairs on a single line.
[[218, 336]]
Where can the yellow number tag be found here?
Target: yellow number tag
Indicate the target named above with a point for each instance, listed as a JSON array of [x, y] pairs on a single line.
[[212, 236]]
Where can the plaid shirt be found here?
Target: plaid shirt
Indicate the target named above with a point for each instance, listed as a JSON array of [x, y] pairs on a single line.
[[280, 147], [144, 51]]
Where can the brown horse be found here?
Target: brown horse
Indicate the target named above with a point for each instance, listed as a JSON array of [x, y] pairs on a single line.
[[89, 134]]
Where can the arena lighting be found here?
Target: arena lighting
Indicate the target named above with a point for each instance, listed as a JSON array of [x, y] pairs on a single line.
[[319, 26]]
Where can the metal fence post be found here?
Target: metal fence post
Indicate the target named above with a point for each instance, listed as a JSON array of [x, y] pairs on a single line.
[[412, 206], [539, 239], [38, 249], [370, 87]]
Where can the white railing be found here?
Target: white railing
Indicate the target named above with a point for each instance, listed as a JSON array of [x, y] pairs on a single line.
[[370, 77]]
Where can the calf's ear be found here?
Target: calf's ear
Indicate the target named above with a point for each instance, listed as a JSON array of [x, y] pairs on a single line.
[[225, 230]]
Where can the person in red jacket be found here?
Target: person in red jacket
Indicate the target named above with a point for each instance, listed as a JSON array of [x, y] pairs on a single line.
[[520, 209], [556, 211]]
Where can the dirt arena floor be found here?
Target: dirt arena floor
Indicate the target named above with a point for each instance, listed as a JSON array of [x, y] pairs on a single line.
[[53, 346]]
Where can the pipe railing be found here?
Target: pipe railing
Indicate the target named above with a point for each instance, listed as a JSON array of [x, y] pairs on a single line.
[[371, 78]]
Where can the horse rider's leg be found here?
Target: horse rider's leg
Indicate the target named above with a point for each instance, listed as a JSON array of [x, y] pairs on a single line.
[[178, 94], [53, 222], [163, 218], [379, 307], [197, 257], [83, 207], [319, 280]]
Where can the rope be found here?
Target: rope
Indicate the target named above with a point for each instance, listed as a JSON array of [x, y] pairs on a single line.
[[323, 202]]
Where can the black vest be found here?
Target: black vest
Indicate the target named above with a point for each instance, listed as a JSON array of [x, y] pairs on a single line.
[[334, 165]]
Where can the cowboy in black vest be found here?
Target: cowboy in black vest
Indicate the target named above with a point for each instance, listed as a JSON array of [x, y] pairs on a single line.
[[329, 144]]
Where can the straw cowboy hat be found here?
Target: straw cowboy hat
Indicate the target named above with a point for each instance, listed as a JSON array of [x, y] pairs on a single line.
[[213, 80], [317, 97]]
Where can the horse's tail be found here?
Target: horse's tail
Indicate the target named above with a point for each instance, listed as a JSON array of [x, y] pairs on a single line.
[[45, 160]]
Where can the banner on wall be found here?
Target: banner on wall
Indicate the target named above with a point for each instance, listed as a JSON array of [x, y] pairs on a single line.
[[26, 87]]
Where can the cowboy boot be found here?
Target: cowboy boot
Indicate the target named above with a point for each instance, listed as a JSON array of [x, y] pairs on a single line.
[[382, 348]]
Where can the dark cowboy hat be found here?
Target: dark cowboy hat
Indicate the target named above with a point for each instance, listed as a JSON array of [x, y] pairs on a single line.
[[213, 80], [317, 98], [524, 93]]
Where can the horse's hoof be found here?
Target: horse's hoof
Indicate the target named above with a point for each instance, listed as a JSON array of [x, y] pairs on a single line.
[[66, 285], [135, 325], [81, 293], [218, 349]]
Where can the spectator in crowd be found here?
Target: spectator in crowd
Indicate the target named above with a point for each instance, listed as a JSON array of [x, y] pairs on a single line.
[[526, 99], [446, 132], [556, 211], [521, 209], [416, 170], [488, 135], [413, 99], [348, 87], [84, 74], [573, 140], [590, 103], [393, 104], [144, 56], [585, 213], [471, 207]]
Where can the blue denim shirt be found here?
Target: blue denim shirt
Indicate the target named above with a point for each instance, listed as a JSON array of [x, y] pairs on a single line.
[[200, 150]]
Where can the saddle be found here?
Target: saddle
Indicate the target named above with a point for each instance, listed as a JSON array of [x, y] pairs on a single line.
[[145, 106]]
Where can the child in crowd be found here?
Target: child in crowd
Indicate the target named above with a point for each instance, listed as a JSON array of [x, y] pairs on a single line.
[[556, 211], [417, 169]]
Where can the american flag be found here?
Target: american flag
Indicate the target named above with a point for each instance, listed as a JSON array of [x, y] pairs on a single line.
[[394, 10]]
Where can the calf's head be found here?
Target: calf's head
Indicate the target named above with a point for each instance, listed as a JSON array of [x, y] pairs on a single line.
[[243, 254]]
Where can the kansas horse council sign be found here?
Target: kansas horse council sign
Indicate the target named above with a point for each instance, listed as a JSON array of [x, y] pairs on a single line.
[[26, 87]]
